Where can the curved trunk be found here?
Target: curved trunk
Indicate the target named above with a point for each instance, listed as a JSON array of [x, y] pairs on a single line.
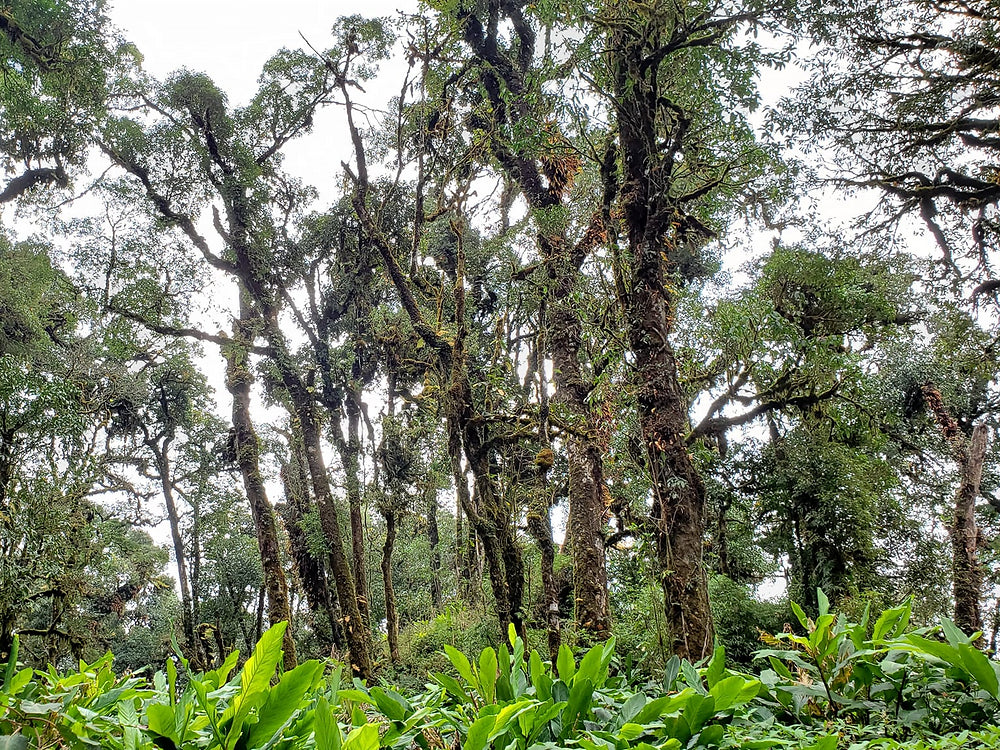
[[247, 451], [162, 454], [391, 617]]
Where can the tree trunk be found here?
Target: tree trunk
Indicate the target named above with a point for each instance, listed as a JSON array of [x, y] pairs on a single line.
[[391, 617], [658, 233], [433, 541], [968, 574], [162, 454], [539, 518], [350, 452], [467, 588], [356, 632], [247, 451], [585, 463], [311, 571]]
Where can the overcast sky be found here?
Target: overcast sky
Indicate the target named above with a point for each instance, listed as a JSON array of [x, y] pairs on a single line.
[[230, 40]]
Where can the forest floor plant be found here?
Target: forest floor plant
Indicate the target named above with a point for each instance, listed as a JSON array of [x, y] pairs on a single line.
[[834, 684]]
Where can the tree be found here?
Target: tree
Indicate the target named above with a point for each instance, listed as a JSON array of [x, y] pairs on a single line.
[[60, 61], [913, 115], [674, 78], [198, 149]]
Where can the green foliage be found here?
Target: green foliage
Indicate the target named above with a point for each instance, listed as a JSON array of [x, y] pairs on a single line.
[[872, 684]]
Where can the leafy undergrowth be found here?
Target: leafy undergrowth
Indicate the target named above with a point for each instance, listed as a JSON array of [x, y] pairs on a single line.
[[836, 684]]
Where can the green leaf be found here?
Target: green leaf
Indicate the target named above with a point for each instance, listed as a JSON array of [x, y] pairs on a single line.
[[565, 664], [452, 686], [630, 731], [364, 737], [953, 633], [734, 691], [800, 615], [255, 678], [161, 721], [631, 708], [824, 603], [327, 731], [980, 667], [283, 701], [716, 667], [461, 663], [479, 733], [488, 675], [711, 735], [590, 666]]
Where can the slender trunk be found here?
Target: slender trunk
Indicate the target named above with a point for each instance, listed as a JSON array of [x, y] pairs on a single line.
[[391, 617], [468, 590], [540, 528], [968, 574], [539, 518], [162, 454], [259, 622], [355, 630], [247, 451], [433, 540], [350, 451]]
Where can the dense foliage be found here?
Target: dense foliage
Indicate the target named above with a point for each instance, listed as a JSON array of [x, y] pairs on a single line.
[[582, 348], [874, 683]]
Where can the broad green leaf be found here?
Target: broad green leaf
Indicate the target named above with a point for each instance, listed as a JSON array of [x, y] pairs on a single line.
[[824, 603], [364, 737], [452, 686], [283, 700], [699, 709], [980, 667], [327, 731], [161, 721], [488, 675], [479, 733], [800, 615], [716, 667], [590, 666], [629, 731], [461, 664], [394, 710], [565, 664], [734, 691], [671, 672], [711, 735], [631, 708], [952, 633]]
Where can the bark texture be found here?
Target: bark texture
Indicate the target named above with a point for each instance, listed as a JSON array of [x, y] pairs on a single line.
[[660, 234], [247, 452], [969, 452]]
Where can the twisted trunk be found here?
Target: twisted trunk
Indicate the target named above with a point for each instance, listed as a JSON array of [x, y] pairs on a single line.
[[247, 451]]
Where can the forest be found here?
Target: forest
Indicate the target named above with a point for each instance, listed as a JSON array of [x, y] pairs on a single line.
[[631, 385]]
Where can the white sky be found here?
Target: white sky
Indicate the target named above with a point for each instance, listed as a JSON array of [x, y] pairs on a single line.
[[230, 40]]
